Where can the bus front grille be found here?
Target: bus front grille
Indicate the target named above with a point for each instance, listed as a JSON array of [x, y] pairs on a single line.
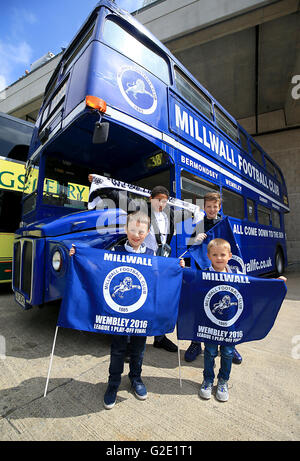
[[27, 267], [23, 264], [17, 265]]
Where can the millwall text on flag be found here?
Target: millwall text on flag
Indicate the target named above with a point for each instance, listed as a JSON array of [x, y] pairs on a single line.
[[227, 308], [124, 294]]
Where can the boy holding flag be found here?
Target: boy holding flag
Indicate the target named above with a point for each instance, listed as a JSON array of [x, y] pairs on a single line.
[[219, 253], [137, 228], [212, 206]]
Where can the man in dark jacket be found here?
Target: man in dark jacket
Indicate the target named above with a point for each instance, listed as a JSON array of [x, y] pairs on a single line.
[[159, 239]]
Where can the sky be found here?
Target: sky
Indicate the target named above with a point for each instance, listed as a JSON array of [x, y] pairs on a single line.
[[31, 28]]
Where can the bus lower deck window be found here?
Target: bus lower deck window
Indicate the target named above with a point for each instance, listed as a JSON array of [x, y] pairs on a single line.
[[233, 204]]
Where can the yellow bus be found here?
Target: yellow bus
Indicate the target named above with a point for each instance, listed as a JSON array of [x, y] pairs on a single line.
[[15, 137]]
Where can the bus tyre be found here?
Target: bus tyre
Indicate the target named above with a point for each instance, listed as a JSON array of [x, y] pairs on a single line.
[[279, 262]]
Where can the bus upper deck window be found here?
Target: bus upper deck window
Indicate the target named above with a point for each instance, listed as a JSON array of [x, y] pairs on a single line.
[[193, 95], [278, 175], [74, 51], [244, 141], [257, 155], [270, 167], [118, 38], [226, 124]]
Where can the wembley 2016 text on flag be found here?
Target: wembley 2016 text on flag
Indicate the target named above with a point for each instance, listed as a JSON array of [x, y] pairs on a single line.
[[124, 294], [227, 308]]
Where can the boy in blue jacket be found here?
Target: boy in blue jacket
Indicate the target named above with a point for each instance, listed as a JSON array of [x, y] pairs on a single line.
[[219, 253], [212, 206], [137, 228]]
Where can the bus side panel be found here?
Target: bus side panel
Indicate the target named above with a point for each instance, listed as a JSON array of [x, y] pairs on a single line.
[[78, 81], [258, 245], [202, 136]]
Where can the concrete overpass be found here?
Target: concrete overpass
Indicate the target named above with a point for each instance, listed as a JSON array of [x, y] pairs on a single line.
[[24, 98], [245, 52]]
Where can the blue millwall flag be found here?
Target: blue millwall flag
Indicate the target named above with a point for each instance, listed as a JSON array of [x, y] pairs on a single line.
[[121, 293], [227, 308], [221, 230]]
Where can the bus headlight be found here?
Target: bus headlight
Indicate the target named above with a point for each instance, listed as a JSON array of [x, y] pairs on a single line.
[[57, 260]]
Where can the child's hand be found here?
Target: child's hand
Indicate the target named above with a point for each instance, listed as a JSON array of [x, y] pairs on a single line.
[[283, 278], [72, 250], [200, 237], [182, 262]]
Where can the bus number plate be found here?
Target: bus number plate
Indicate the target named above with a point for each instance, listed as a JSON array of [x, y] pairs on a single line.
[[20, 299]]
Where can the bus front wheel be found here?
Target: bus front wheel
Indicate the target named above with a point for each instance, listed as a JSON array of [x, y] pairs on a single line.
[[279, 262]]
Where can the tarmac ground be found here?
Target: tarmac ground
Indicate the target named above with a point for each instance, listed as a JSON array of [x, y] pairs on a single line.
[[264, 402]]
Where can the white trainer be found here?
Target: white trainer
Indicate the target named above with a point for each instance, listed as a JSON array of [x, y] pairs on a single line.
[[222, 390], [205, 390]]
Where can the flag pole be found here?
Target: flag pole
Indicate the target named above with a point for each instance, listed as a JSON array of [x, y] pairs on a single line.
[[51, 359], [179, 257], [179, 365]]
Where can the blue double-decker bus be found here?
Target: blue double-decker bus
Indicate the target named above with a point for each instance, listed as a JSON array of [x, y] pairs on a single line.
[[164, 128]]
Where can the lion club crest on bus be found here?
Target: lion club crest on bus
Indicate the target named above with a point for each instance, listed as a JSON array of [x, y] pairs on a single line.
[[223, 305], [137, 89], [125, 289]]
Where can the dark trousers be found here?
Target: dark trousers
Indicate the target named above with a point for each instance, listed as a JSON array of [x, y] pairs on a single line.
[[210, 353], [159, 338], [117, 356]]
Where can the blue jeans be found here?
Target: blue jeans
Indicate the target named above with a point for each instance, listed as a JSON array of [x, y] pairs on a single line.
[[117, 356], [210, 353]]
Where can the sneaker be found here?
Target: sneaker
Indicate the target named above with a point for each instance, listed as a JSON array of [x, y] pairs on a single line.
[[110, 397], [139, 389], [222, 390], [192, 352], [237, 358], [166, 344], [205, 390]]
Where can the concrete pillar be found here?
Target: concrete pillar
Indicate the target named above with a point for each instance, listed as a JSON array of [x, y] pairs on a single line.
[[284, 148]]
